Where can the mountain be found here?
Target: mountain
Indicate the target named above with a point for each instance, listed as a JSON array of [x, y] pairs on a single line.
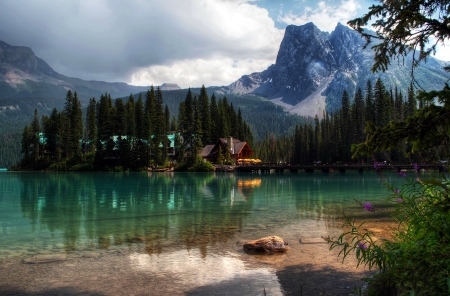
[[23, 75], [313, 68], [169, 86]]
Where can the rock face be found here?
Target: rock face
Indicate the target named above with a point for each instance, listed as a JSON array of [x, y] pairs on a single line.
[[270, 245], [313, 68]]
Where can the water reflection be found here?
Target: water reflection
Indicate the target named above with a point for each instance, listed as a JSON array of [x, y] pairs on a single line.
[[216, 274], [73, 212]]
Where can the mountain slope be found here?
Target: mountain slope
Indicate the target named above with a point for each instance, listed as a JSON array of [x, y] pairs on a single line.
[[313, 68], [22, 75]]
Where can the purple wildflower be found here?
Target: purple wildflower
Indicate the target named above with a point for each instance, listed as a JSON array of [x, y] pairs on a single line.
[[401, 174], [416, 167], [368, 207], [377, 166], [399, 200], [396, 191], [363, 246]]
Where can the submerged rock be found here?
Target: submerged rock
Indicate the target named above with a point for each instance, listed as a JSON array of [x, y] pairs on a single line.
[[270, 244], [45, 259]]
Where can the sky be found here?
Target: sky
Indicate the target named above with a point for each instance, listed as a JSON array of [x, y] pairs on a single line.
[[150, 42]]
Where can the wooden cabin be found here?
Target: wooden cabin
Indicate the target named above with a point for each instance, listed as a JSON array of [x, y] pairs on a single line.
[[236, 148]]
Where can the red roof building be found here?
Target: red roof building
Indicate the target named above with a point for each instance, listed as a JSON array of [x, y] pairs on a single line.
[[237, 150]]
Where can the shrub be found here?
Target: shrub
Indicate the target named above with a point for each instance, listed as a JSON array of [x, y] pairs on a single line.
[[418, 257]]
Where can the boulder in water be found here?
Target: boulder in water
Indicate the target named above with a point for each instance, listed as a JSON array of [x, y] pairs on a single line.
[[270, 245]]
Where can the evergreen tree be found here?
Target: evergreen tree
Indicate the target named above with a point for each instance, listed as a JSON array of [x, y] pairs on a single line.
[[140, 118], [198, 145], [130, 119], [160, 136], [370, 106], [26, 142], [204, 108], [52, 133], [91, 126], [359, 116], [35, 134], [214, 116], [76, 123], [120, 122]]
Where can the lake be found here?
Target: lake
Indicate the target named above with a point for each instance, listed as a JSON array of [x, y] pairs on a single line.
[[181, 229]]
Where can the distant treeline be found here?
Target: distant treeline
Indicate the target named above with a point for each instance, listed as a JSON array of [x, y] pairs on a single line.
[[260, 114], [330, 138], [131, 134]]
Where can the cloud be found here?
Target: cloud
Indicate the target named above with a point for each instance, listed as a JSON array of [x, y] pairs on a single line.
[[217, 71], [116, 40], [324, 16]]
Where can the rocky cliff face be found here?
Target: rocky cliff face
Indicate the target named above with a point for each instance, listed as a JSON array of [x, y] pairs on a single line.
[[313, 68]]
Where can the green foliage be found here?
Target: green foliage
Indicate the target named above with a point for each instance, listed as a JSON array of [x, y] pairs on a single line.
[[196, 165], [330, 139], [427, 128], [418, 258], [405, 26], [201, 165]]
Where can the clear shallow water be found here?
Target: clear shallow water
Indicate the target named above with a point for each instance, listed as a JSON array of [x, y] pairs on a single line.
[[171, 224], [92, 210]]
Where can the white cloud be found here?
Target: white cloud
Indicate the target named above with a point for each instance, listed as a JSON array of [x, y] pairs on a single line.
[[215, 71], [324, 16], [116, 40], [442, 51]]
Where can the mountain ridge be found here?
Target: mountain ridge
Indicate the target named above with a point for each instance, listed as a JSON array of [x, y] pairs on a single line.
[[313, 68], [23, 74]]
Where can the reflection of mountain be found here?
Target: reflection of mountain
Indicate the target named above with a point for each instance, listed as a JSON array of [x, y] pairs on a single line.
[[113, 209]]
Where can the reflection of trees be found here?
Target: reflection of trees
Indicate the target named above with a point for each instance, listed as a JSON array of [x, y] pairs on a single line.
[[195, 210]]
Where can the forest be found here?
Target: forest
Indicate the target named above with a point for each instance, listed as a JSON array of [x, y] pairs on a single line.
[[260, 114], [129, 135], [330, 138]]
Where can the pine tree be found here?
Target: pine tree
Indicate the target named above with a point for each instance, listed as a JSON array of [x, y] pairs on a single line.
[[120, 122], [76, 123], [139, 118], [91, 126], [370, 106], [204, 107], [35, 135], [214, 124], [130, 119], [52, 133], [26, 142]]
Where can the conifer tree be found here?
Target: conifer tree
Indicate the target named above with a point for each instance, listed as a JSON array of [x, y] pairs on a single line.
[[204, 107], [120, 122], [139, 118], [52, 132], [214, 116], [130, 119], [26, 142], [35, 131], [370, 106], [160, 134], [76, 123], [91, 125], [198, 145]]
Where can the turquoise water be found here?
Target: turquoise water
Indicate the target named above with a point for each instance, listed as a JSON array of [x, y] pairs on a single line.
[[183, 232], [73, 212]]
